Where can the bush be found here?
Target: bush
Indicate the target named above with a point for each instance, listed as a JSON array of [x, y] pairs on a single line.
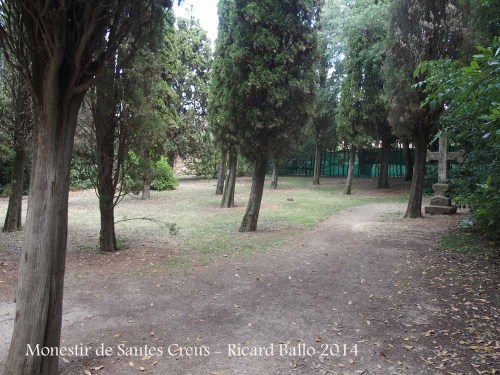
[[79, 177], [472, 118], [163, 177]]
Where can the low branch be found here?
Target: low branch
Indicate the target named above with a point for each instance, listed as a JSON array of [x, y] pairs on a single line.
[[172, 227]]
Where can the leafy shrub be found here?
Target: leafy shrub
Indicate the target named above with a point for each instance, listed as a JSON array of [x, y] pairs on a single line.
[[80, 174], [471, 95], [163, 177]]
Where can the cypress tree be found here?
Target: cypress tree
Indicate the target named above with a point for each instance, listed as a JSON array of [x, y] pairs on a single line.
[[222, 105], [273, 56], [418, 31]]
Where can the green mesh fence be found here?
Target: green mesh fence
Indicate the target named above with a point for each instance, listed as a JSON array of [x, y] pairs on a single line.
[[336, 164]]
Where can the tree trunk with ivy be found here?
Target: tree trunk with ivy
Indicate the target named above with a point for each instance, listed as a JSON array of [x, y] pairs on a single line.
[[249, 222], [350, 172]]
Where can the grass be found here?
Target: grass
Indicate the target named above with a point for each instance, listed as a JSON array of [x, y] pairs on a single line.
[[468, 243], [207, 231]]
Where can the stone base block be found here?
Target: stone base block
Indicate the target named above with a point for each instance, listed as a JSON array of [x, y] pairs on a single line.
[[440, 189], [441, 201], [441, 210]]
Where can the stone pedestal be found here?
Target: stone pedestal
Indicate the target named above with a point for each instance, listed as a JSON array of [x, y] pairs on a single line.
[[440, 204]]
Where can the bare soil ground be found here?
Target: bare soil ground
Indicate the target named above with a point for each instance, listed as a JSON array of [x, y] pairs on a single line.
[[365, 292]]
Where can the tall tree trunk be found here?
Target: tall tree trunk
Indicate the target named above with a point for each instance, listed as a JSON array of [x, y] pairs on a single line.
[[105, 124], [350, 173], [146, 188], [274, 179], [172, 156], [13, 220], [222, 173], [40, 285], [230, 185], [249, 222], [414, 209], [107, 236], [408, 161], [383, 177], [146, 177], [317, 163]]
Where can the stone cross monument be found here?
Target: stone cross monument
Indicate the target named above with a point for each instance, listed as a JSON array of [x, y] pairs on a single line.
[[440, 204]]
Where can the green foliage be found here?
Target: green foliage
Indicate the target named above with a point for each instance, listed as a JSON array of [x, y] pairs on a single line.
[[418, 31], [150, 99], [471, 95], [267, 64], [483, 21], [133, 179], [16, 122], [362, 113], [244, 167], [163, 177], [320, 131], [221, 103], [5, 175], [207, 161], [469, 243], [81, 175], [190, 81]]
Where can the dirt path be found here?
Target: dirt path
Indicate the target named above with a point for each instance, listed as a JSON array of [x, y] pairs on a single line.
[[361, 280]]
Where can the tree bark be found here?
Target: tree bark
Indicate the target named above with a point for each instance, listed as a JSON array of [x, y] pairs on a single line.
[[317, 163], [105, 125], [408, 161], [383, 177], [222, 173], [249, 222], [13, 220], [350, 173], [274, 179], [40, 285], [230, 185], [171, 160], [414, 209], [146, 177], [146, 188], [107, 236]]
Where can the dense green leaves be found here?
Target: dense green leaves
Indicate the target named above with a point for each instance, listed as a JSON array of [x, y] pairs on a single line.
[[471, 95], [222, 104], [362, 112], [419, 31], [191, 86], [273, 53]]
